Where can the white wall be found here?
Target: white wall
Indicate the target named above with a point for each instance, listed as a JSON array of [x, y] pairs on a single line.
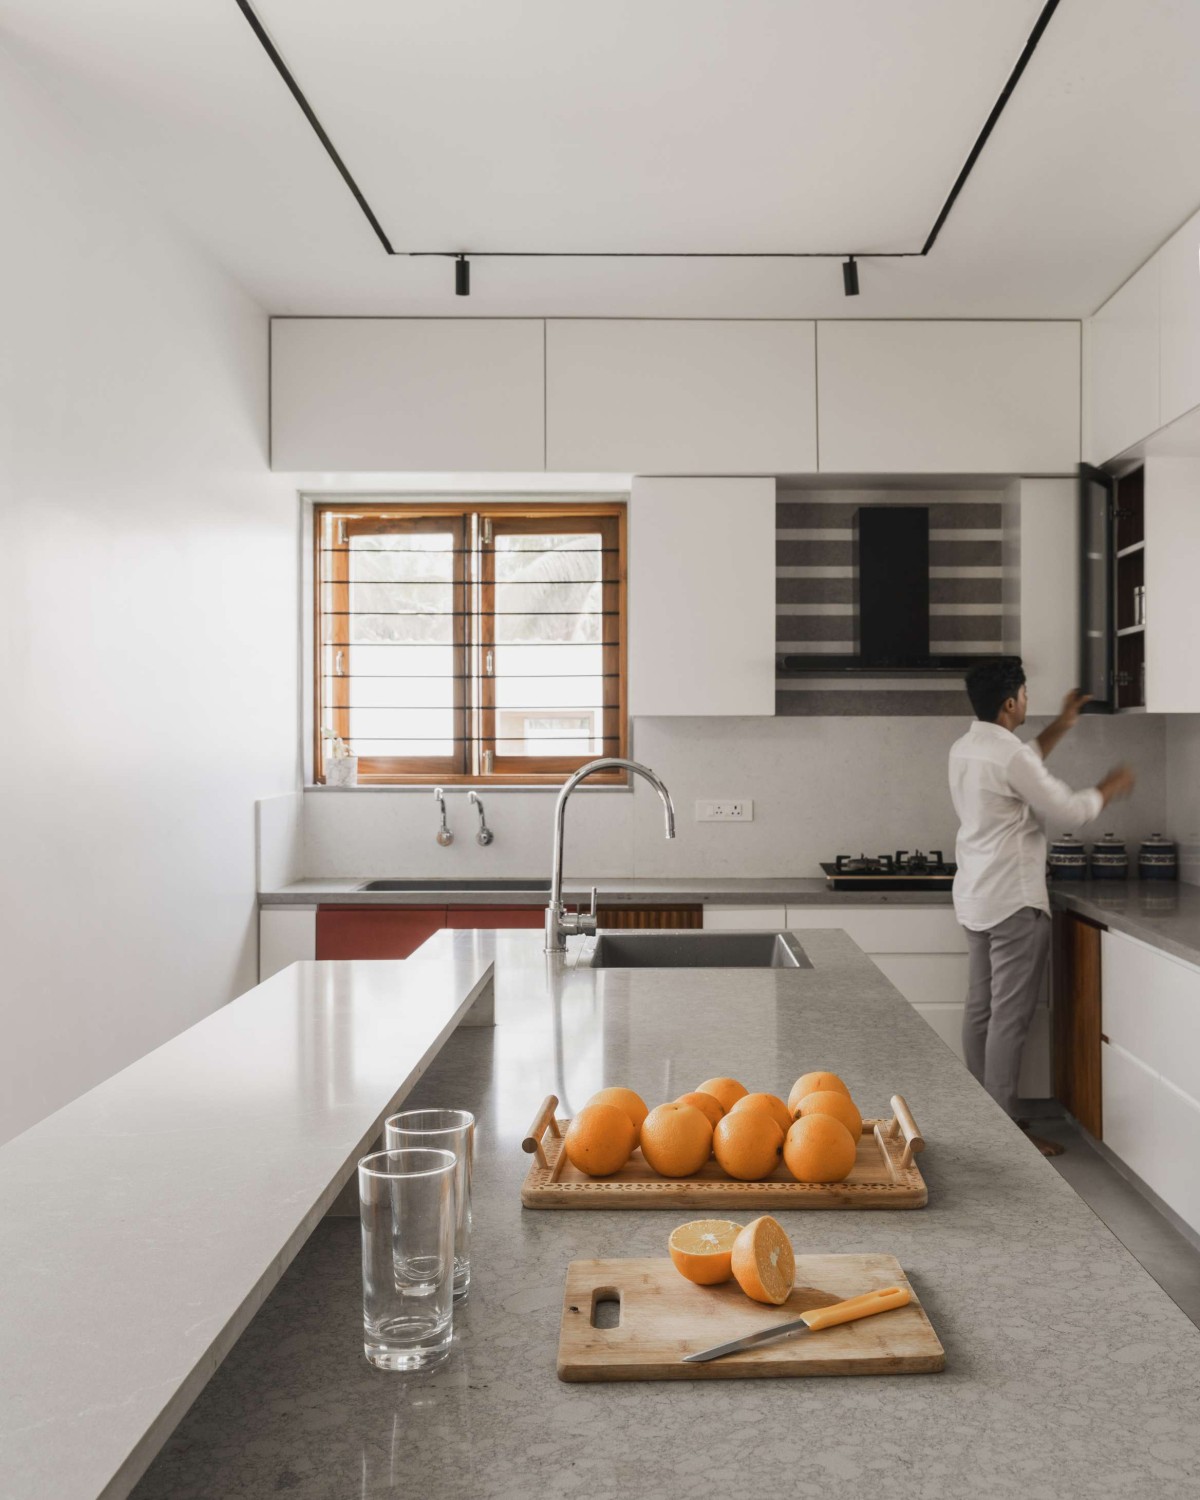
[[148, 570], [820, 786]]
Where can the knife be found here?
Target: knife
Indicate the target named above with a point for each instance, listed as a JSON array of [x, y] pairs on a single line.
[[811, 1322]]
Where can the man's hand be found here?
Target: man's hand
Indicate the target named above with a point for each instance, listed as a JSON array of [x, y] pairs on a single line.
[[1118, 783], [1055, 730]]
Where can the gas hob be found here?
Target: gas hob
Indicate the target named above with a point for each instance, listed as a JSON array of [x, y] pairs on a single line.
[[902, 871]]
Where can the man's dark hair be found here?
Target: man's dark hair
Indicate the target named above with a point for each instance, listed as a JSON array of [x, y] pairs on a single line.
[[992, 683]]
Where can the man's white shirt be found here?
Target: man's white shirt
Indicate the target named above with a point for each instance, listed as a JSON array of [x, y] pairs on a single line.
[[1004, 796]]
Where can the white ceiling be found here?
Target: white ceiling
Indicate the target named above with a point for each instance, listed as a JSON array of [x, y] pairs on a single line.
[[646, 125]]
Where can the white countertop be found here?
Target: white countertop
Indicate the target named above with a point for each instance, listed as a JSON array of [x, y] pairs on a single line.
[[142, 1226]]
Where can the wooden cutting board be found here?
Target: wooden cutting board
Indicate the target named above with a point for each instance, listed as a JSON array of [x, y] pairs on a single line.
[[662, 1317]]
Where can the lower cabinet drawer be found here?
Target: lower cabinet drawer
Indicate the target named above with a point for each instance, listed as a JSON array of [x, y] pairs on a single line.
[[1127, 1090], [1155, 1130], [375, 931], [748, 918], [895, 929], [495, 916], [927, 978]]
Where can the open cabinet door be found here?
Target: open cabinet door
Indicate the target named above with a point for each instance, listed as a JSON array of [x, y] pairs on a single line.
[[1096, 633]]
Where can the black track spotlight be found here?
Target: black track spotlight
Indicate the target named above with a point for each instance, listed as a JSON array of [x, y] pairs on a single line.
[[462, 277], [850, 277]]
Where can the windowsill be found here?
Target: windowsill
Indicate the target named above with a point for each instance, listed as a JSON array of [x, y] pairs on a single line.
[[491, 788]]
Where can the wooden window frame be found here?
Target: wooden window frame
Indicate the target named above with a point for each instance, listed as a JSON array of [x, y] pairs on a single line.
[[474, 631]]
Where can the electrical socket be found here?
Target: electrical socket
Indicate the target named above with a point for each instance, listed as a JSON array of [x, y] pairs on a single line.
[[725, 810]]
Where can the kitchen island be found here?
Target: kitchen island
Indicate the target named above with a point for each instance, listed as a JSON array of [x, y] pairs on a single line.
[[1068, 1372]]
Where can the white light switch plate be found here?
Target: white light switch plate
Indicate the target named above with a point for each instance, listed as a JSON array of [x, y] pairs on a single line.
[[725, 810]]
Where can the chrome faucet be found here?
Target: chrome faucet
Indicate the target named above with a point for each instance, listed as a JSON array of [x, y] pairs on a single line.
[[444, 836], [485, 834], [561, 924]]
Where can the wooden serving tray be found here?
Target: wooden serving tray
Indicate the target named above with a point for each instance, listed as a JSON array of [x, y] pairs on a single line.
[[662, 1317], [885, 1175]]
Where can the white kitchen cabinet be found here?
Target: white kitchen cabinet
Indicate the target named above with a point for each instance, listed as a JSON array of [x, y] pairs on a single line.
[[1121, 364], [1172, 498], [744, 918], [890, 929], [286, 934], [1127, 1091], [1151, 1008], [702, 597], [948, 397], [652, 396], [423, 394], [1041, 587], [1178, 265]]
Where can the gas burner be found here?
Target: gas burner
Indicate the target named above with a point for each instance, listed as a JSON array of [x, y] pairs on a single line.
[[904, 870]]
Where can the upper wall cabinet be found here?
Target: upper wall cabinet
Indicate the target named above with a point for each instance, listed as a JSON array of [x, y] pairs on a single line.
[[1179, 273], [425, 394], [1122, 360], [702, 596], [687, 397], [948, 397]]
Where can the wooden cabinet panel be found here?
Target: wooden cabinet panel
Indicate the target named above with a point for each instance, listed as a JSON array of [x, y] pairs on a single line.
[[1077, 1026], [687, 917], [495, 916], [375, 931]]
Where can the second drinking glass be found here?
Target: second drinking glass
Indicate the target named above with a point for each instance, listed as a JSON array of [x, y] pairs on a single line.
[[443, 1130]]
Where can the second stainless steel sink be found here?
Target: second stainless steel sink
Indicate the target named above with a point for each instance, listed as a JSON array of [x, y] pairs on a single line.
[[693, 950], [525, 887]]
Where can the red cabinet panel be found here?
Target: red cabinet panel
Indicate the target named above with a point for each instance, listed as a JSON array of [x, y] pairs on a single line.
[[376, 931], [496, 916]]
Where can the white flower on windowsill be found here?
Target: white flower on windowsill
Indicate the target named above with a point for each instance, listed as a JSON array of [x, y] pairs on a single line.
[[341, 766]]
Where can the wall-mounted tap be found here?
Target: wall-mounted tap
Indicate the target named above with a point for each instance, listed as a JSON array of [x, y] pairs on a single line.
[[560, 923], [444, 836], [485, 834]]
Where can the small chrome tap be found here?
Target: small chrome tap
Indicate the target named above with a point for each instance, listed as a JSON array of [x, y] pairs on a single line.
[[560, 924], [485, 834], [444, 836]]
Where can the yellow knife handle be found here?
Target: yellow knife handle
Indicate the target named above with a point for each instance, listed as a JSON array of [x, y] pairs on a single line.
[[857, 1307]]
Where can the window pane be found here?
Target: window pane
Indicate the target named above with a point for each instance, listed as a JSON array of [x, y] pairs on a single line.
[[549, 659], [399, 652]]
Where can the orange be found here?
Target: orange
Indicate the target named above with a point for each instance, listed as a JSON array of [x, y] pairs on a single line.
[[763, 1262], [809, 1083], [676, 1140], [600, 1139], [633, 1104], [748, 1144], [819, 1148], [706, 1104], [726, 1091], [702, 1250], [830, 1102], [773, 1105]]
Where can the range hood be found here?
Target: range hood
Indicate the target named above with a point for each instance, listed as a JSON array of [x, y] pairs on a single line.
[[891, 602]]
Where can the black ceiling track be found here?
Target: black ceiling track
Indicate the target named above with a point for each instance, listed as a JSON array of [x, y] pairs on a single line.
[[973, 156]]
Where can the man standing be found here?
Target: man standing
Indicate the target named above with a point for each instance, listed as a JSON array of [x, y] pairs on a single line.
[[1003, 796]]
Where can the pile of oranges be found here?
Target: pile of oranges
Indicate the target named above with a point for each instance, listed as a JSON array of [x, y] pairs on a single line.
[[815, 1133]]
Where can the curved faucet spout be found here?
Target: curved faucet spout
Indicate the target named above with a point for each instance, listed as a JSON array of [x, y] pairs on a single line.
[[558, 923]]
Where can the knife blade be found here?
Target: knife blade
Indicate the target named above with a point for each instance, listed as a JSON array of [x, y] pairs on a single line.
[[813, 1321]]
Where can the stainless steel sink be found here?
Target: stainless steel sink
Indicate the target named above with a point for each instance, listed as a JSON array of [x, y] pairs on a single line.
[[527, 887], [693, 950]]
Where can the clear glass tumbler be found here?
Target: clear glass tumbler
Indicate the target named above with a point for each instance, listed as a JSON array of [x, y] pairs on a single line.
[[406, 1206], [443, 1130]]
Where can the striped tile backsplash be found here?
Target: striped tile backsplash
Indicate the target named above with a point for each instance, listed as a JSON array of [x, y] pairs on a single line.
[[814, 596]]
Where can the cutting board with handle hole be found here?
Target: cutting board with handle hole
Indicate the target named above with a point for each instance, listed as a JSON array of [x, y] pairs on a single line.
[[636, 1319]]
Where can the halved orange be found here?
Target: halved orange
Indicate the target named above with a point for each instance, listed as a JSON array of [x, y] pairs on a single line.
[[763, 1261], [702, 1250]]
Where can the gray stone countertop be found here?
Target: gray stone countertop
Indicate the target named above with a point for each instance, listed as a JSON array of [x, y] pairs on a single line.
[[1069, 1374], [668, 889], [1163, 913]]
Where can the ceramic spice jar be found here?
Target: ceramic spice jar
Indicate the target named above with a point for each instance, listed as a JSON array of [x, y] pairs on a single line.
[[1109, 860], [1067, 859], [1158, 859]]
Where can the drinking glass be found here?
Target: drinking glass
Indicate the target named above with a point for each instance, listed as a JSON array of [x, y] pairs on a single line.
[[406, 1206], [444, 1130]]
